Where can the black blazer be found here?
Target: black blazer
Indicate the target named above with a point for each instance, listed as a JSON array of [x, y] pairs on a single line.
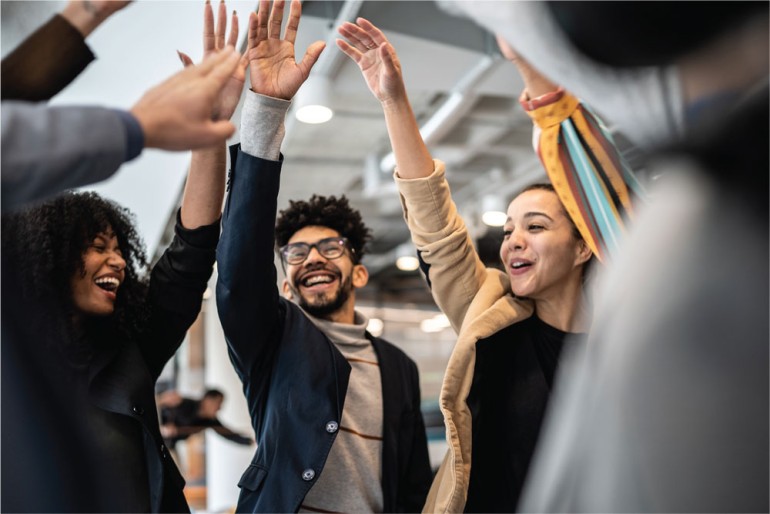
[[295, 380]]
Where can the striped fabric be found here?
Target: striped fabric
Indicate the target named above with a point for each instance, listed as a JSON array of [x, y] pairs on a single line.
[[596, 186]]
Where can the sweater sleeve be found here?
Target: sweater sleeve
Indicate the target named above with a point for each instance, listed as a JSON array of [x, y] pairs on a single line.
[[44, 63], [453, 268], [177, 284]]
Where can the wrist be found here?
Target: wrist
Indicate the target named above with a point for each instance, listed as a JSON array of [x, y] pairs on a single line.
[[79, 16]]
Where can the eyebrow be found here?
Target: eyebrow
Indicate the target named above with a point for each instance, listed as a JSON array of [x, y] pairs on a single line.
[[531, 215]]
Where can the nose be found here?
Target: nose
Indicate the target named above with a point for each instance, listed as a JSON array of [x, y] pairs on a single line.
[[515, 241], [116, 261]]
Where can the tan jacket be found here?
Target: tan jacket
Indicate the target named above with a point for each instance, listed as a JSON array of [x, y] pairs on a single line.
[[478, 303]]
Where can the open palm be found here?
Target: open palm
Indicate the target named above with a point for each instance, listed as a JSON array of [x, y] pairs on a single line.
[[272, 68], [374, 55]]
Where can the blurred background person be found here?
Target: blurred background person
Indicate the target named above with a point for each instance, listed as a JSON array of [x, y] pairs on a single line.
[[182, 417]]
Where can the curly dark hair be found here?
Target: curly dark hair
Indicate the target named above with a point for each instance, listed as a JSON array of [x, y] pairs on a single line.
[[325, 211], [46, 244]]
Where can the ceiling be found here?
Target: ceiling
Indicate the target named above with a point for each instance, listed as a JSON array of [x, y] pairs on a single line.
[[461, 90]]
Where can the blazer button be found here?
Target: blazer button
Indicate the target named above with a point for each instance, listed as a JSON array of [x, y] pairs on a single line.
[[163, 451], [332, 427], [138, 410], [308, 475]]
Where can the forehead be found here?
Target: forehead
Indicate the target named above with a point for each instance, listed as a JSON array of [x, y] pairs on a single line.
[[536, 200], [312, 233]]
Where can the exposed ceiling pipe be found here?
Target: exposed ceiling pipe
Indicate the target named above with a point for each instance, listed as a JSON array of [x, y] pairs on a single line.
[[330, 61], [461, 100]]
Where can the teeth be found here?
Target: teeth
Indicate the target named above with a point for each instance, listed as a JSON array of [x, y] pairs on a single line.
[[321, 279], [519, 265], [108, 280]]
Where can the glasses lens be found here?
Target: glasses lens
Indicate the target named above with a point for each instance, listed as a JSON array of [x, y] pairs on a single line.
[[295, 253], [331, 248]]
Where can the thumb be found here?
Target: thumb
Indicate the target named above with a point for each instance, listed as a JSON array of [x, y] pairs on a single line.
[[186, 61], [311, 56]]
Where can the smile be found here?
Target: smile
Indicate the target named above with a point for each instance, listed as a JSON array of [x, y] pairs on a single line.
[[314, 279]]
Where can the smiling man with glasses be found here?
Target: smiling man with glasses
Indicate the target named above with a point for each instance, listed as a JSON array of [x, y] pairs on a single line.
[[336, 411]]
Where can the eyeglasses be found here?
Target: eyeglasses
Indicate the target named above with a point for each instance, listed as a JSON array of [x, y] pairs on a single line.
[[329, 248]]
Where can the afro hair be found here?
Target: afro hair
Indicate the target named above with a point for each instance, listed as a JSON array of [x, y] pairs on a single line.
[[324, 211]]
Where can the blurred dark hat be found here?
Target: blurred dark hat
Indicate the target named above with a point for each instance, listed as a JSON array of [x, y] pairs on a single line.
[[647, 33]]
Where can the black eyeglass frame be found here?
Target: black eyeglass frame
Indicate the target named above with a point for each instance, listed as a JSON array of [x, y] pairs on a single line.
[[345, 244]]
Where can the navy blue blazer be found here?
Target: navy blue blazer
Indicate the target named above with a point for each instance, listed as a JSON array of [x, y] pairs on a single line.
[[295, 380]]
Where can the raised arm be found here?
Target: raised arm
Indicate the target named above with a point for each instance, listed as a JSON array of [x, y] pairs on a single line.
[[205, 187], [48, 149], [52, 56], [379, 64], [579, 156], [247, 294], [454, 270]]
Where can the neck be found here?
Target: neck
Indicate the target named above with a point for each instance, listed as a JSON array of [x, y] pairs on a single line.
[[567, 309]]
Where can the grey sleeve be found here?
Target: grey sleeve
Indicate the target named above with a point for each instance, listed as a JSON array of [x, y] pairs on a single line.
[[262, 125], [48, 149], [645, 103]]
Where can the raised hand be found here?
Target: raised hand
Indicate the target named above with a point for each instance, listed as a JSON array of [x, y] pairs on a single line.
[[535, 83], [176, 115], [272, 66], [376, 58], [213, 41]]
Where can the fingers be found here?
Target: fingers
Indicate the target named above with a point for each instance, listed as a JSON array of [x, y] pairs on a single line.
[[221, 25], [224, 58], [505, 48], [311, 56], [295, 12], [363, 36], [260, 29], [233, 39], [220, 73], [375, 34], [349, 50], [276, 18], [216, 132], [355, 35], [209, 40]]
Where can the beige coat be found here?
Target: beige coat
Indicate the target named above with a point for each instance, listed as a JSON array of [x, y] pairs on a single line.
[[478, 303]]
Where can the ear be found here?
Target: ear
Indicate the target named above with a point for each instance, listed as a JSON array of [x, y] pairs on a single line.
[[584, 253], [286, 289], [360, 276]]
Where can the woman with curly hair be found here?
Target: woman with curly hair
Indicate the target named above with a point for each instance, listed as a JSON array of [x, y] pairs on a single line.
[[107, 328], [87, 331]]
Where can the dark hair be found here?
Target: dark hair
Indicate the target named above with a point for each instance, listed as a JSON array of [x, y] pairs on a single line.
[[324, 211], [213, 393], [46, 244]]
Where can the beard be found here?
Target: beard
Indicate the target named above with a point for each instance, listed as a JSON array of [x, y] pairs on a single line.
[[319, 305]]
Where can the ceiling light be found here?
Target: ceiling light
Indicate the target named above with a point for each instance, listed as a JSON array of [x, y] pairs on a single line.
[[435, 324], [313, 101], [493, 211], [375, 327], [406, 260]]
